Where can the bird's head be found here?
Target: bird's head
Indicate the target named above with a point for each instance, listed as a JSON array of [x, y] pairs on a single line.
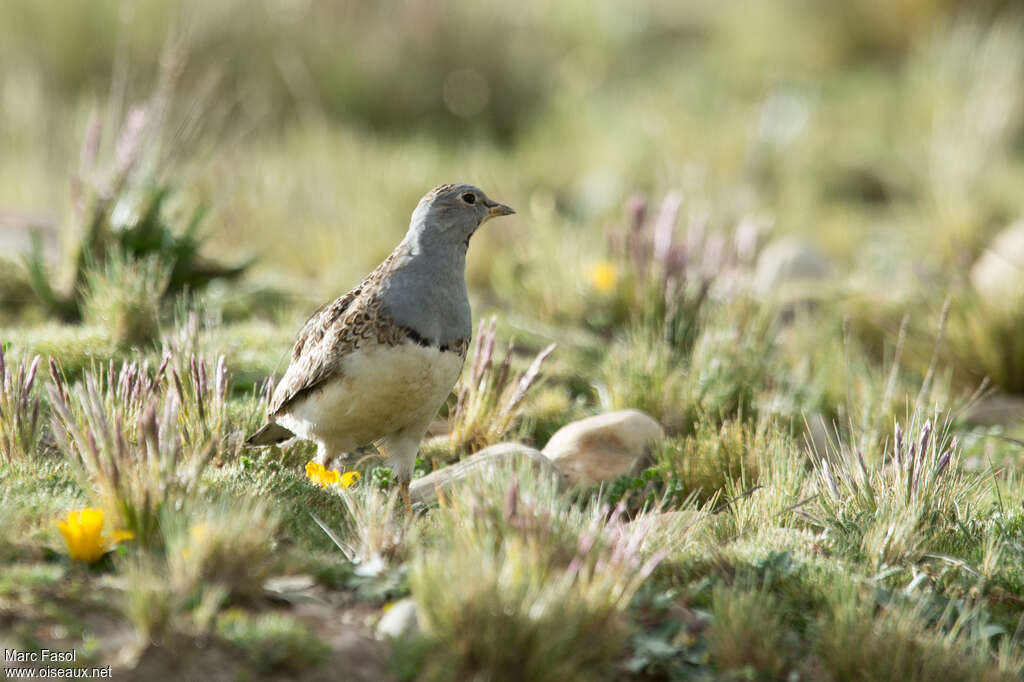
[[450, 214]]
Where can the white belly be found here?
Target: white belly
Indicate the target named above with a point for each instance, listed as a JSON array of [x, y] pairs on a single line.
[[381, 390]]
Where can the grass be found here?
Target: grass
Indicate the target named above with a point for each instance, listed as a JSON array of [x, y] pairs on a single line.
[[822, 507], [272, 642], [19, 409], [140, 440], [911, 500], [490, 399], [124, 296], [539, 577], [725, 371]]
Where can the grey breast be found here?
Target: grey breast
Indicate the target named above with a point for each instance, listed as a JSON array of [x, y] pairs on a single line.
[[426, 294]]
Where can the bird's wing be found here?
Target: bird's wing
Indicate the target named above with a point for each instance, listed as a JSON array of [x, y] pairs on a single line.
[[331, 333], [312, 359]]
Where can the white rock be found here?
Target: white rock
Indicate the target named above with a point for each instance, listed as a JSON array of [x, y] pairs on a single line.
[[401, 620], [786, 267], [289, 584], [604, 447], [425, 489], [371, 567], [998, 274]]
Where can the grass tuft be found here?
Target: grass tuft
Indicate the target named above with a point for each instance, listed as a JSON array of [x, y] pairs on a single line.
[[213, 552], [862, 640], [138, 445], [668, 279], [491, 397], [20, 406], [902, 504], [375, 527], [272, 642], [223, 545], [511, 584], [728, 372], [124, 297], [715, 455], [748, 637]]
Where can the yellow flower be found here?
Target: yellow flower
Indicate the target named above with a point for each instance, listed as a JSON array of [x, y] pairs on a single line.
[[321, 476], [83, 534], [314, 471], [326, 477], [199, 531], [604, 276]]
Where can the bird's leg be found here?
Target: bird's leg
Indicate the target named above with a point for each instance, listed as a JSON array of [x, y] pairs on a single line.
[[400, 449], [322, 454], [403, 489]]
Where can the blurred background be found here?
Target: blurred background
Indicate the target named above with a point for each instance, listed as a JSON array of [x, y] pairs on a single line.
[[871, 152]]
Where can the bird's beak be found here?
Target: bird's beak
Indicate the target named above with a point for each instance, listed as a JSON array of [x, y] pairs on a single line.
[[496, 209]]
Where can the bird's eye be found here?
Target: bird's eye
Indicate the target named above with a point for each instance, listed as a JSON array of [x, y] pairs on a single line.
[[469, 198]]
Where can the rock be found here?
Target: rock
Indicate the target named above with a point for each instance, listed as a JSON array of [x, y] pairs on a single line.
[[401, 620], [602, 448], [289, 584], [998, 274], [425, 489], [787, 268]]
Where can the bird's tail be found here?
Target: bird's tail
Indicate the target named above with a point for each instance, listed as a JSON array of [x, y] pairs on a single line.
[[269, 434]]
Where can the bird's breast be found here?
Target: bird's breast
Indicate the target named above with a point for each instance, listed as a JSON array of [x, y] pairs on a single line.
[[381, 389]]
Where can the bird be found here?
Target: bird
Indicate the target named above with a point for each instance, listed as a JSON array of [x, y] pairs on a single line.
[[376, 364]]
